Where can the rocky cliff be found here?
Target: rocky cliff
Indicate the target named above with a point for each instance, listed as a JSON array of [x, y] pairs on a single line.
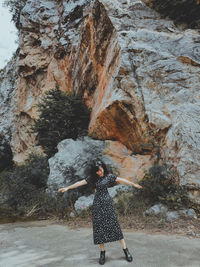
[[138, 72]]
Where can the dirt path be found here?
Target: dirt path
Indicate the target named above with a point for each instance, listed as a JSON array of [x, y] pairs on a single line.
[[46, 243]]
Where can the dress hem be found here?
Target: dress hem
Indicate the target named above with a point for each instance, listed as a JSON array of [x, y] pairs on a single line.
[[109, 241]]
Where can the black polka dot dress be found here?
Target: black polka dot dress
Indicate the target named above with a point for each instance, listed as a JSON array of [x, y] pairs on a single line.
[[106, 227]]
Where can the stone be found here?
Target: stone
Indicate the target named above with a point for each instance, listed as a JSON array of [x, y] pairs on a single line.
[[72, 214], [172, 215], [188, 213], [160, 209], [83, 203], [69, 163], [192, 213], [156, 209]]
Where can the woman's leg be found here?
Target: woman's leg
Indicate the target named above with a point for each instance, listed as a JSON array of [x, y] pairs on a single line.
[[102, 254], [122, 241], [126, 251], [101, 247]]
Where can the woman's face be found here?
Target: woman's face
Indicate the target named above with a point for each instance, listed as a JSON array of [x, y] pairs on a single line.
[[100, 172]]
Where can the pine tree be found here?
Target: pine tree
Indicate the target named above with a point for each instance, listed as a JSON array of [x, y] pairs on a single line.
[[61, 116]]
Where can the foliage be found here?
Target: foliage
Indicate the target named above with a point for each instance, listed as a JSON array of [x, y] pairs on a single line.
[[6, 156], [187, 11], [23, 186], [125, 203], [61, 116], [35, 171], [15, 7], [159, 185]]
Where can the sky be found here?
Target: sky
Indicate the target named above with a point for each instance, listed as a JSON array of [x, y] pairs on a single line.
[[8, 36]]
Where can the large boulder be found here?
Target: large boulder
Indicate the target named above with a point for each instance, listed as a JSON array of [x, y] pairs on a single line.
[[71, 162]]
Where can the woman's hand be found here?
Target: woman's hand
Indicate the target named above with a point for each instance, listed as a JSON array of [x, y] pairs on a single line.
[[125, 181], [64, 189], [138, 186]]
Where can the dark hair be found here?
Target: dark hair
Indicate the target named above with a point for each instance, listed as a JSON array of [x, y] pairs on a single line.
[[94, 168]]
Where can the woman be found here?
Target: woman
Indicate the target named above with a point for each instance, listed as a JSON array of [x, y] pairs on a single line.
[[106, 227]]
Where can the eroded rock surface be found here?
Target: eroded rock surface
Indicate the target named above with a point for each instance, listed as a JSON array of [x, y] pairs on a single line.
[[160, 71], [8, 90]]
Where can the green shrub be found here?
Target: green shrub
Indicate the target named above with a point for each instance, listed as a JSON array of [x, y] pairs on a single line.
[[125, 203], [6, 156], [61, 116], [186, 11], [24, 186], [159, 185], [34, 171]]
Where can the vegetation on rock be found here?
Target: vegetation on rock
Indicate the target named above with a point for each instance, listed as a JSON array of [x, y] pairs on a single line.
[[186, 11], [61, 116], [6, 156], [23, 187], [160, 185]]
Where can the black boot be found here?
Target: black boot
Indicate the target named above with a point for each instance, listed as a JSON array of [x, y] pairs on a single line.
[[102, 257], [128, 255]]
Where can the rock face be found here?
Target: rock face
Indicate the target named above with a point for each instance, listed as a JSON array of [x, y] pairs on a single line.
[[8, 90], [75, 44], [138, 72], [160, 70]]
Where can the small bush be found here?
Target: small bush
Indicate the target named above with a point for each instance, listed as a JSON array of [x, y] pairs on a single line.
[[61, 116], [159, 185], [186, 11], [6, 156], [125, 203], [23, 188], [34, 171]]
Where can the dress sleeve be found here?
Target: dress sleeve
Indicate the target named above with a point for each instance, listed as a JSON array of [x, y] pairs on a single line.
[[111, 180]]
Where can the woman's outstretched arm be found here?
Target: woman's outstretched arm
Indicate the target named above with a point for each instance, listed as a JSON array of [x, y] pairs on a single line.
[[75, 185], [125, 181]]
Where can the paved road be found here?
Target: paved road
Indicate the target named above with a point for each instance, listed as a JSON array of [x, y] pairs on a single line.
[[47, 244]]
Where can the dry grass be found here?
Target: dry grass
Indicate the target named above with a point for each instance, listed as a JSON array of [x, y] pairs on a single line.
[[151, 224]]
